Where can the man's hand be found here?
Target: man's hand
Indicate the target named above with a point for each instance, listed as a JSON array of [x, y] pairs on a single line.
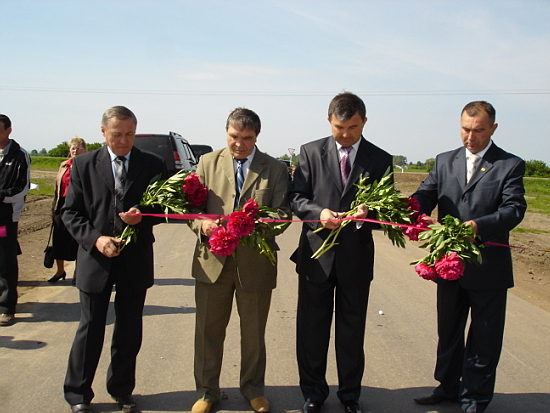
[[131, 219], [108, 246], [473, 225], [328, 217], [431, 221], [362, 212], [208, 225]]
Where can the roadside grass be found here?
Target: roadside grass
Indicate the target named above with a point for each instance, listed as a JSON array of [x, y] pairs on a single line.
[[537, 194], [46, 162]]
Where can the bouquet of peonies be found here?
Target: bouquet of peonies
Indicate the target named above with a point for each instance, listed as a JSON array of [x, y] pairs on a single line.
[[175, 195], [248, 225], [389, 205], [450, 246]]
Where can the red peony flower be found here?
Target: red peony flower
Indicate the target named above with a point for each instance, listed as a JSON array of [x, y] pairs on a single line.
[[450, 267], [420, 225], [426, 272], [251, 208], [192, 184], [223, 242], [199, 197], [240, 224], [414, 205]]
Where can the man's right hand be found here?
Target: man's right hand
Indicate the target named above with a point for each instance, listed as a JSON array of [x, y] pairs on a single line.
[[329, 219], [108, 246], [208, 225]]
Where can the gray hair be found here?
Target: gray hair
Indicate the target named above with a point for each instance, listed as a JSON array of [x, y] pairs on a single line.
[[119, 112]]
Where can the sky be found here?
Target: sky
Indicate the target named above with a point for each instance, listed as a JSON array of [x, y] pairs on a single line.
[[183, 66]]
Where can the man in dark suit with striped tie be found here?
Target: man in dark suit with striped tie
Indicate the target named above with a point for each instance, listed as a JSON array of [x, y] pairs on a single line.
[[106, 185]]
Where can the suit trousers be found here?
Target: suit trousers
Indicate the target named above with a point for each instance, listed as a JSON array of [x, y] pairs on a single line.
[[315, 308], [9, 269], [214, 302], [88, 342], [467, 371]]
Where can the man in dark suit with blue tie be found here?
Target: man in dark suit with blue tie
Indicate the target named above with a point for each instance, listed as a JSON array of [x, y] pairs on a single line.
[[482, 185], [105, 189], [339, 281]]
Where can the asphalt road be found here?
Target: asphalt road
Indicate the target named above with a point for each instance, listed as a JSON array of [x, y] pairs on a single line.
[[400, 343]]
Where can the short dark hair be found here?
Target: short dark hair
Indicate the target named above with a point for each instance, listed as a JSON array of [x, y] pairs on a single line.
[[345, 105], [119, 112], [6, 121], [475, 107], [245, 119]]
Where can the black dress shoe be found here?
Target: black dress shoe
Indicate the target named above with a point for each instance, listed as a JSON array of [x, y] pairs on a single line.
[[311, 407], [432, 399], [82, 408], [352, 406], [126, 403]]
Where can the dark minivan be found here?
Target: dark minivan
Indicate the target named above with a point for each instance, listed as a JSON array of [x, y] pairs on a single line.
[[201, 150]]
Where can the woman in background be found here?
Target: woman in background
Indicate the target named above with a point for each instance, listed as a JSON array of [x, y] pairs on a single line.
[[64, 246]]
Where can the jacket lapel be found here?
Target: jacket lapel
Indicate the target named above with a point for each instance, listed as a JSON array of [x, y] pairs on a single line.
[[105, 169], [330, 160], [485, 165], [254, 171]]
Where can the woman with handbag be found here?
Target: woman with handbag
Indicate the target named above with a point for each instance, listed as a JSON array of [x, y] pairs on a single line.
[[64, 245]]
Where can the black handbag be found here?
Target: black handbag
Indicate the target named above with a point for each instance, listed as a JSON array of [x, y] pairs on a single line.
[[48, 252]]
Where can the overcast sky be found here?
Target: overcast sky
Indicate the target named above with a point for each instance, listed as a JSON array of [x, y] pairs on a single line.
[[184, 65]]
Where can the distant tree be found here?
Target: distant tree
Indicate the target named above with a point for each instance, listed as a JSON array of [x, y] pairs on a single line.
[[399, 160], [284, 157], [537, 169], [34, 152], [429, 163], [60, 151], [94, 146], [43, 152]]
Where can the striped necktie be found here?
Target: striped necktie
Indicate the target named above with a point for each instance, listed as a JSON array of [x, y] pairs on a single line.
[[120, 180], [473, 159], [239, 180]]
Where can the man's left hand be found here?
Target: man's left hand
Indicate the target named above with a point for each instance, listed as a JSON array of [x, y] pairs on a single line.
[[131, 219]]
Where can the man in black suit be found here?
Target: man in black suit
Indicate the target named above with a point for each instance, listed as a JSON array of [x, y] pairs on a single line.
[[483, 186], [323, 189], [94, 215]]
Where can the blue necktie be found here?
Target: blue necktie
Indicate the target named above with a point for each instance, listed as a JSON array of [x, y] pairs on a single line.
[[239, 180]]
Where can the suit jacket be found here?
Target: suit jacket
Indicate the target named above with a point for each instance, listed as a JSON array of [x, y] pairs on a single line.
[[89, 213], [62, 169], [317, 185], [266, 182], [493, 198]]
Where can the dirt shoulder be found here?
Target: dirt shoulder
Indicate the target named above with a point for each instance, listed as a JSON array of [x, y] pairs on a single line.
[[531, 266]]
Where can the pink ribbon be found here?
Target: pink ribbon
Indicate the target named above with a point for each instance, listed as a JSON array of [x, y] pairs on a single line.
[[214, 217]]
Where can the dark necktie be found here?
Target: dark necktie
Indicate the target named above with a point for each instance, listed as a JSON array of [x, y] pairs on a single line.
[[120, 179], [239, 180], [345, 166]]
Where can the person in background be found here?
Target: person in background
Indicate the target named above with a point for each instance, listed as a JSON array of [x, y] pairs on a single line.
[[482, 185], [14, 185], [64, 245]]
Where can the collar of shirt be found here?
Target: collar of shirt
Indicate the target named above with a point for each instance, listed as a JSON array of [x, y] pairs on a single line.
[[352, 154], [247, 164], [114, 164], [482, 153], [7, 148]]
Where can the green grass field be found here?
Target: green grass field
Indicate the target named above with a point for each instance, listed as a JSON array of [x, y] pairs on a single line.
[[537, 193]]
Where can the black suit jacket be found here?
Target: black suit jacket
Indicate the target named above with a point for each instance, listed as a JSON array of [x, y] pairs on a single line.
[[89, 213], [317, 185], [494, 199]]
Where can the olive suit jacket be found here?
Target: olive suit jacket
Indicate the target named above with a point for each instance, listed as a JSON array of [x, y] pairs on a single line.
[[267, 182]]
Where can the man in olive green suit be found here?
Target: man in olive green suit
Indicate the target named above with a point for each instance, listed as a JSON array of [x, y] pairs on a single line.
[[233, 175]]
